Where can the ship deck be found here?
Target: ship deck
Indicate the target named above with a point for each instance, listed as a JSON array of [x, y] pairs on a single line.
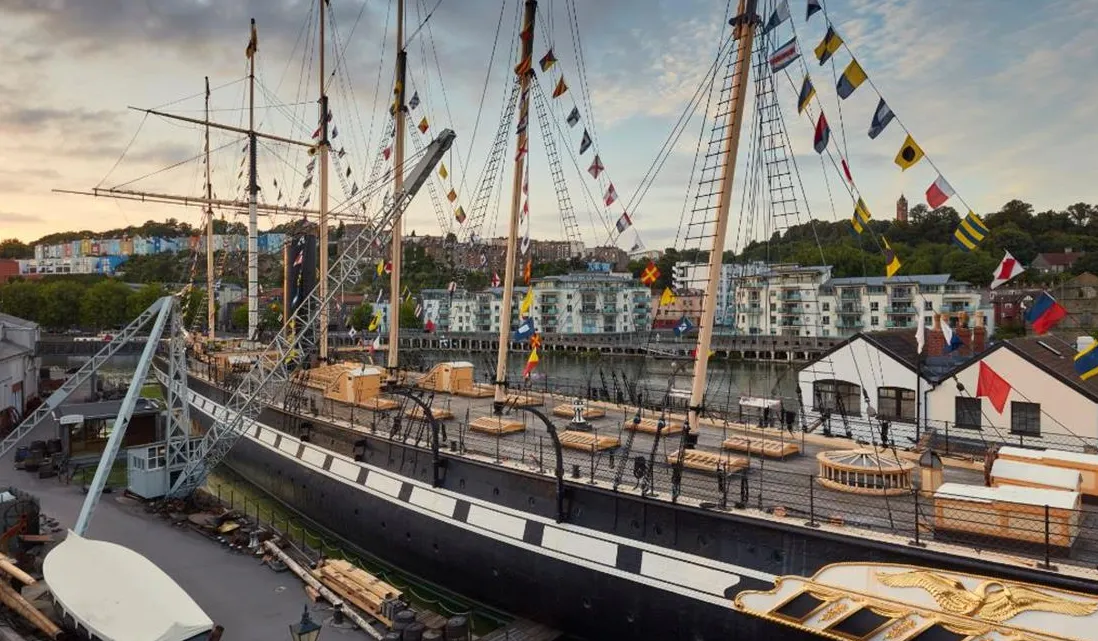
[[769, 488], [252, 602]]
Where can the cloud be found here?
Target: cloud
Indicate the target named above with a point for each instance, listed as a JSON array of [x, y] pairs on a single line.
[[17, 218]]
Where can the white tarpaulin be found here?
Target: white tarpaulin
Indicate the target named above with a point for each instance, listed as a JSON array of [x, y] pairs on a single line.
[[761, 403], [119, 595]]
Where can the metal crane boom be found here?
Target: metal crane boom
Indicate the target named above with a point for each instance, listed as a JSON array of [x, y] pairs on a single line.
[[267, 379]]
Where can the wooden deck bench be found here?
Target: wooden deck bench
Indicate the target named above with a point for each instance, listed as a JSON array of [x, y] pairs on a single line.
[[704, 461], [761, 446], [416, 412], [496, 425], [648, 426], [566, 411], [586, 441]]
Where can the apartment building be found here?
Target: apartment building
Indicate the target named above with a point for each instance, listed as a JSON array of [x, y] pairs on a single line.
[[694, 276], [781, 300], [578, 303], [873, 303], [806, 301]]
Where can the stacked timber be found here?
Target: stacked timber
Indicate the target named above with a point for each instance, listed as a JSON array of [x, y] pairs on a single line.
[[361, 589], [12, 598]]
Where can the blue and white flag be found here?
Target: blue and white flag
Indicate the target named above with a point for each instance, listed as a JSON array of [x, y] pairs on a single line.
[[524, 331], [780, 15], [952, 340], [684, 326]]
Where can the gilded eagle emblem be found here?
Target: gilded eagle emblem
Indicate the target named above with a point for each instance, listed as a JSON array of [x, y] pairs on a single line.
[[992, 600]]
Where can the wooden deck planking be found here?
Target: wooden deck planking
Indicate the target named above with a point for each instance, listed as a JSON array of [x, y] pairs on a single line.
[[586, 441], [704, 461], [649, 426], [589, 413], [761, 447], [496, 425]]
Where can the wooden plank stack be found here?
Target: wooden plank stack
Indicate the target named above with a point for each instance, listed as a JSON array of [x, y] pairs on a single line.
[[360, 589]]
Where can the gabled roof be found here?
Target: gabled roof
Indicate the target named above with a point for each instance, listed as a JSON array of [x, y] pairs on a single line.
[[1048, 354], [901, 346], [877, 281], [1060, 259], [14, 321]]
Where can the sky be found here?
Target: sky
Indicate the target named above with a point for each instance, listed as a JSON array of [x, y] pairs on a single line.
[[999, 93]]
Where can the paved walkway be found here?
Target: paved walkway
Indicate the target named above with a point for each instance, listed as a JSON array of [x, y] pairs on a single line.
[[252, 602]]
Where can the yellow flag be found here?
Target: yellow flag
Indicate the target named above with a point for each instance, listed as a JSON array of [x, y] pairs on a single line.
[[442, 173], [892, 261], [910, 153], [253, 43], [423, 125], [375, 321], [527, 303], [380, 267], [668, 297]]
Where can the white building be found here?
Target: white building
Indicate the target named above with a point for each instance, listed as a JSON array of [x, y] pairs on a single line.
[[783, 299], [1048, 404], [695, 276], [881, 367], [580, 303], [18, 364], [851, 305]]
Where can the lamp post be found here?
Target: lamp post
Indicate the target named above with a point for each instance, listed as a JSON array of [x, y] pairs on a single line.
[[306, 629]]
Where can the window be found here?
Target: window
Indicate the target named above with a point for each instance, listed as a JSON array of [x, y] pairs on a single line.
[[874, 320], [968, 413], [928, 306], [825, 307], [837, 396], [896, 403], [873, 306], [1025, 418], [928, 321], [826, 320]]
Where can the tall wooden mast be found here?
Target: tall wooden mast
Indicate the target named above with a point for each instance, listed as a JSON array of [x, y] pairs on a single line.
[[211, 297], [526, 50], [744, 25], [253, 198], [397, 248], [322, 232]]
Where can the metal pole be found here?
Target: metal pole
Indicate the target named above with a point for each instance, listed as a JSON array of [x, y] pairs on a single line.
[[211, 298], [396, 246], [253, 212], [526, 50], [322, 232], [744, 25]]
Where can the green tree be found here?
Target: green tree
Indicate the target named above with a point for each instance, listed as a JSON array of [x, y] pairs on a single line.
[[14, 248], [61, 304], [22, 299], [408, 315], [104, 305], [239, 317], [140, 299], [270, 317], [361, 315]]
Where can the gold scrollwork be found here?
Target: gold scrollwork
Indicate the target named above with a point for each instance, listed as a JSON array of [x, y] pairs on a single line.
[[834, 611], [900, 629]]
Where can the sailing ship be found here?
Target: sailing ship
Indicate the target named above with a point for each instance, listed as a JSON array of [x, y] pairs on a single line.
[[525, 529]]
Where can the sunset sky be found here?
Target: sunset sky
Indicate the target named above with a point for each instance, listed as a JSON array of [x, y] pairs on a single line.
[[1000, 94]]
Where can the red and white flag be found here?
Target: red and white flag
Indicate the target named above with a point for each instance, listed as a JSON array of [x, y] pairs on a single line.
[[596, 167], [938, 193], [1008, 268], [495, 279], [611, 195]]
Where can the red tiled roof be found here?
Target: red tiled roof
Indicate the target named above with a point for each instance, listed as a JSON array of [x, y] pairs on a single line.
[[1060, 259]]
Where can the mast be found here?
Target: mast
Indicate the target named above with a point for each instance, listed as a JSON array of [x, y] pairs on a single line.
[[253, 193], [397, 247], [211, 315], [322, 235], [526, 50], [744, 25]]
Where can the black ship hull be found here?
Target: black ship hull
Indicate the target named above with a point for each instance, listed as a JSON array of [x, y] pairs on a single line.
[[619, 566]]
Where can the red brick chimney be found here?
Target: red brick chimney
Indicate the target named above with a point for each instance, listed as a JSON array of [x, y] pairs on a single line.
[[974, 338]]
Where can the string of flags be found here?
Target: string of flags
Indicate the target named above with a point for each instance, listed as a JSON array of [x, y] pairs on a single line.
[[969, 233], [547, 63]]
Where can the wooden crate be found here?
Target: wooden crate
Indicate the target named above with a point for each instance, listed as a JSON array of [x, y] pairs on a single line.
[[357, 587], [761, 446], [648, 426], [586, 441], [416, 412], [496, 425], [1008, 512], [1085, 464], [589, 413], [703, 461]]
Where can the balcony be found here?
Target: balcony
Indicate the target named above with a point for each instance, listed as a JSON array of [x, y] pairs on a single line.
[[848, 309], [956, 308], [850, 324], [901, 310], [850, 294], [900, 324], [900, 295], [794, 295]]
